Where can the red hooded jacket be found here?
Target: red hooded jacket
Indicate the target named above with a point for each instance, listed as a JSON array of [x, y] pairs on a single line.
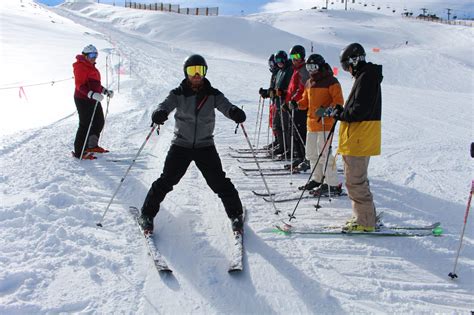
[[87, 78], [297, 83]]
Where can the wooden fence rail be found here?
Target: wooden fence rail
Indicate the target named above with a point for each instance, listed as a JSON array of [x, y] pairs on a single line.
[[168, 7]]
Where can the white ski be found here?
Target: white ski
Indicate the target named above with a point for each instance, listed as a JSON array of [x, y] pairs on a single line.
[[158, 260]]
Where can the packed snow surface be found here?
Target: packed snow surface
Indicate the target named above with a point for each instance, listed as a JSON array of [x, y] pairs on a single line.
[[53, 258]]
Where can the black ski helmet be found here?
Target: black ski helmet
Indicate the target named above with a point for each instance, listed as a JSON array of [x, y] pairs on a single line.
[[281, 56], [298, 49], [194, 60], [271, 62], [351, 55], [315, 62]]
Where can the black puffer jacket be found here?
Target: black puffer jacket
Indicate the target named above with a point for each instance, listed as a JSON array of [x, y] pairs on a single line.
[[195, 113]]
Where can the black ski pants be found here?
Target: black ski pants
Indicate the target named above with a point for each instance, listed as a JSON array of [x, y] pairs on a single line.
[[208, 162], [278, 129], [300, 124], [85, 109]]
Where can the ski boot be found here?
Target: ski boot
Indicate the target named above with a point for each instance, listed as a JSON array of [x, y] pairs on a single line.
[[303, 166], [237, 224], [310, 186], [85, 156], [323, 190], [295, 165], [146, 223], [97, 150]]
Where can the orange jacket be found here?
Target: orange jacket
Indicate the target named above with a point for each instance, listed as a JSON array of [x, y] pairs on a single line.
[[321, 90], [86, 77]]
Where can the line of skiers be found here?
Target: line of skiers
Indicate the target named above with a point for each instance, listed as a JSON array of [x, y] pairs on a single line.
[[298, 86], [305, 94]]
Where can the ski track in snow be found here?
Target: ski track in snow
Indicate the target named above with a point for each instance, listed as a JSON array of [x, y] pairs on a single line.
[[55, 260]]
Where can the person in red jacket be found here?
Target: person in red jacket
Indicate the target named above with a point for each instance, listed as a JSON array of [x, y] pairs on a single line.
[[87, 96], [295, 92]]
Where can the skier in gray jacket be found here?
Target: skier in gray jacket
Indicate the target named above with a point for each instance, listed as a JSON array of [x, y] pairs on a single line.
[[195, 101]]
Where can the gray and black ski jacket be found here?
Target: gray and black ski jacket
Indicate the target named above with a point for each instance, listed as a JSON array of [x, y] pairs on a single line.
[[195, 113]]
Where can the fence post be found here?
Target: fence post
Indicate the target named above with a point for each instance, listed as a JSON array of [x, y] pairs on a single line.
[[207, 11], [161, 6]]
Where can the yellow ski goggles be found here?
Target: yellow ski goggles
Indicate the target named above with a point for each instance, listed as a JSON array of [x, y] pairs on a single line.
[[193, 70]]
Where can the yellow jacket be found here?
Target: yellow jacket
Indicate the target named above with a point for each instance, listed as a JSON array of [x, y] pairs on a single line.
[[360, 131]]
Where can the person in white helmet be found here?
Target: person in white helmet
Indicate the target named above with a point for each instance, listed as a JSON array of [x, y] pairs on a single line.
[[88, 92]]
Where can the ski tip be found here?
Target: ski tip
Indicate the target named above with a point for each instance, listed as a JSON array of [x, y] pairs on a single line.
[[281, 231], [234, 270]]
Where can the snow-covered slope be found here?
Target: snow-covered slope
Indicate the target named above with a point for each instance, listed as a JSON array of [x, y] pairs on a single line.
[[53, 258]]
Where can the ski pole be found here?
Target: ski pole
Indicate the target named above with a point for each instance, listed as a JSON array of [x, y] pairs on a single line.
[[259, 168], [269, 126], [298, 133], [260, 125], [453, 274], [325, 164], [105, 117], [292, 215], [128, 170], [317, 206], [88, 130], [256, 120], [292, 146], [283, 126]]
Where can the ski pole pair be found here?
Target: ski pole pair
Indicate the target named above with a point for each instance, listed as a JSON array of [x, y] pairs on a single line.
[[328, 141], [90, 125]]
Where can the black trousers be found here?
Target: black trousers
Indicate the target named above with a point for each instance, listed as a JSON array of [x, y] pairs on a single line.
[[85, 109], [208, 162], [300, 124], [278, 128]]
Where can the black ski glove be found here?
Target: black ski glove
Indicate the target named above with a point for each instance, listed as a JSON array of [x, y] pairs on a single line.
[[159, 117], [337, 112], [237, 115], [263, 93]]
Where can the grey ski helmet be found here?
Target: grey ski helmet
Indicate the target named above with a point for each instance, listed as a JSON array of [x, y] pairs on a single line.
[[89, 49]]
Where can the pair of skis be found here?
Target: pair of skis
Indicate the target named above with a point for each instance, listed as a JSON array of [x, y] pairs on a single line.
[[390, 231], [236, 262]]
